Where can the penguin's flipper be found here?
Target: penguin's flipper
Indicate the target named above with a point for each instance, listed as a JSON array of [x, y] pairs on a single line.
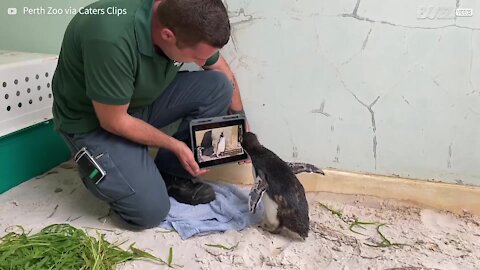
[[256, 193], [299, 167]]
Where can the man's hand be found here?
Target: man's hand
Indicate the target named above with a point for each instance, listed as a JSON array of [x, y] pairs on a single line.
[[185, 156], [242, 113], [116, 120], [247, 129]]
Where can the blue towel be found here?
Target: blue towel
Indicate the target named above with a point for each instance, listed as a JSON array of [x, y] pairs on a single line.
[[229, 211]]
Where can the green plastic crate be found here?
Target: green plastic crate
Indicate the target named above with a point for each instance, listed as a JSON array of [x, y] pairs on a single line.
[[30, 152]]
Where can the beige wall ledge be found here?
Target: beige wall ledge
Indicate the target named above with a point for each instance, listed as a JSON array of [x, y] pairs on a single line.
[[451, 197]]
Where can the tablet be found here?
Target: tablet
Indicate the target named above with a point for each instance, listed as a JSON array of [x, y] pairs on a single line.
[[216, 140]]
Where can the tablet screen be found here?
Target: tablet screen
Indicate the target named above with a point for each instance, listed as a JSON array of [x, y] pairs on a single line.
[[216, 141]]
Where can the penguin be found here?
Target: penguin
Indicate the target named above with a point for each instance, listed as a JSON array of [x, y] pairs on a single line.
[[220, 145], [206, 144], [199, 153], [259, 186], [285, 204]]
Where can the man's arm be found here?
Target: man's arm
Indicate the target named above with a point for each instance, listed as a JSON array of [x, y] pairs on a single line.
[[116, 120], [109, 81], [236, 106], [221, 65]]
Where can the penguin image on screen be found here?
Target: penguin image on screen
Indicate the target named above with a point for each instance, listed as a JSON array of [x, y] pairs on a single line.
[[220, 146], [207, 144], [285, 204]]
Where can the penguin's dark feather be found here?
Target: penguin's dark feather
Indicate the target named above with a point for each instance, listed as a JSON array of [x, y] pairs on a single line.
[[283, 186]]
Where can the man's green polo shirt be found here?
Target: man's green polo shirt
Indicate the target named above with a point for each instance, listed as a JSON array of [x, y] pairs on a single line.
[[111, 59]]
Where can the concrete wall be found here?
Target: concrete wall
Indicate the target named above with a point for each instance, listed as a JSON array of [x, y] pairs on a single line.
[[377, 86]]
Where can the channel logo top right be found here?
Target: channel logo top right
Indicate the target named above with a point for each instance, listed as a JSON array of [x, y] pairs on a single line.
[[442, 12], [464, 12]]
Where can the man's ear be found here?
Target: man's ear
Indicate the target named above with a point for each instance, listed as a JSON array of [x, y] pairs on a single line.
[[167, 35]]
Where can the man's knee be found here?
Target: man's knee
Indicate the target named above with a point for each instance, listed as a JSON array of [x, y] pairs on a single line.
[[151, 214], [147, 212], [222, 83]]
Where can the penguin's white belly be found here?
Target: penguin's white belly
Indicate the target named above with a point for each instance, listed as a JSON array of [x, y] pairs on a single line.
[[221, 146], [270, 215]]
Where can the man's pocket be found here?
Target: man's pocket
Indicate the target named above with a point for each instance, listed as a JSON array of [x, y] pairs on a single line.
[[113, 186]]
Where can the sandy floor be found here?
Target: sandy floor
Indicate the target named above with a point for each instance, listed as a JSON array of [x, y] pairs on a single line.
[[433, 239]]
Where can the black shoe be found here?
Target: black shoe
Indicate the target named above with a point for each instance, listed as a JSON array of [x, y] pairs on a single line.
[[186, 191]]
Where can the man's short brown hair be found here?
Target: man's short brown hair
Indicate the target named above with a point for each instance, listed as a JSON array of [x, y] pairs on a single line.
[[194, 21]]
